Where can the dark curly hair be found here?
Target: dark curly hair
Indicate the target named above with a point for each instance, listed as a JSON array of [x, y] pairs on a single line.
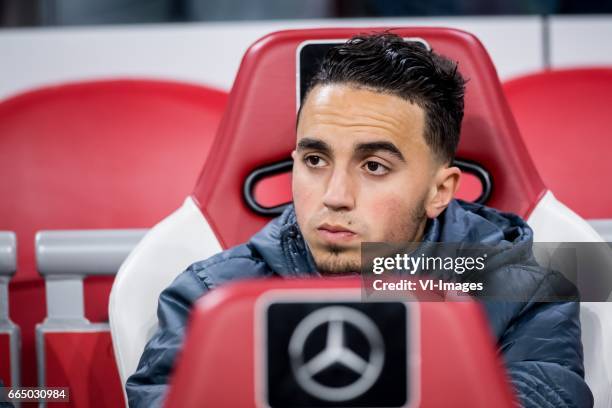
[[385, 62]]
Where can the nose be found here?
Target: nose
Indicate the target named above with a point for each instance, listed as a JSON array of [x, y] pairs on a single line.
[[339, 195]]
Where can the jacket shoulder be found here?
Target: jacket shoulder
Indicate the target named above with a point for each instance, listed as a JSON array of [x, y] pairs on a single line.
[[239, 262]]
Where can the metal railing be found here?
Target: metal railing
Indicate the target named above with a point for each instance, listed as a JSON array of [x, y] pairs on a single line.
[[8, 267], [65, 259]]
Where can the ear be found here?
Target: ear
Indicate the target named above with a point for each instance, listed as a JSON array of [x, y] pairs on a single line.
[[446, 182]]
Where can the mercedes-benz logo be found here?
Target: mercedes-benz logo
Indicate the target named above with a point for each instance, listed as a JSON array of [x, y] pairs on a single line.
[[337, 352]]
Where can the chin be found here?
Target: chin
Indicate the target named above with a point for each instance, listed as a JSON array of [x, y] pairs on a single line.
[[330, 262]]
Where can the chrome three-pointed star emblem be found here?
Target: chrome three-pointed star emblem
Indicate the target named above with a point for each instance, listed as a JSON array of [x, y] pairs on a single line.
[[336, 351]]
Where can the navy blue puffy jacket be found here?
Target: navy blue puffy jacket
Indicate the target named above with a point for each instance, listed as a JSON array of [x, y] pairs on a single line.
[[540, 342]]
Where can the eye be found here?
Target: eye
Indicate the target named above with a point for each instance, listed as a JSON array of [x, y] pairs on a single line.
[[314, 161], [376, 168]]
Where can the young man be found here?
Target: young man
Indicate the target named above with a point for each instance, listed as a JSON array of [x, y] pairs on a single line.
[[376, 136]]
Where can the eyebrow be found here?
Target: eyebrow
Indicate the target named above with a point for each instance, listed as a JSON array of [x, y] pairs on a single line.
[[373, 147], [362, 148], [307, 143]]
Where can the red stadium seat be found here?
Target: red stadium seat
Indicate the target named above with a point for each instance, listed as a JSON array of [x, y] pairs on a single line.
[[81, 359], [564, 118], [101, 154], [5, 353], [438, 333], [258, 131], [258, 111]]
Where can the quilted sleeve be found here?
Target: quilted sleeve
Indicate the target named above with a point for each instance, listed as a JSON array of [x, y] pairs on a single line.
[[543, 354]]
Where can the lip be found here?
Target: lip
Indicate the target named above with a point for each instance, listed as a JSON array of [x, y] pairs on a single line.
[[335, 233]]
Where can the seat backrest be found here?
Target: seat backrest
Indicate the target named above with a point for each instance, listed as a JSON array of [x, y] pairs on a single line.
[[564, 118], [167, 249], [233, 331], [95, 155], [258, 129], [258, 126]]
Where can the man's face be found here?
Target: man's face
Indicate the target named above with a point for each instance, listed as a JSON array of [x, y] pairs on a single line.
[[362, 173]]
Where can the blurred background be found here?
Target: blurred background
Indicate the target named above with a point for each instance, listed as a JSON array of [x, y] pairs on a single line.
[[19, 13], [49, 41]]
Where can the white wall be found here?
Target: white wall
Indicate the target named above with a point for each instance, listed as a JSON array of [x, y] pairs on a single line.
[[580, 40], [210, 53]]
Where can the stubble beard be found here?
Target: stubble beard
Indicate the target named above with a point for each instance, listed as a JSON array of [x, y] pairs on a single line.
[[338, 261]]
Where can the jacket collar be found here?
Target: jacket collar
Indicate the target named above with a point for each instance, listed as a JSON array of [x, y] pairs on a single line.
[[282, 246]]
